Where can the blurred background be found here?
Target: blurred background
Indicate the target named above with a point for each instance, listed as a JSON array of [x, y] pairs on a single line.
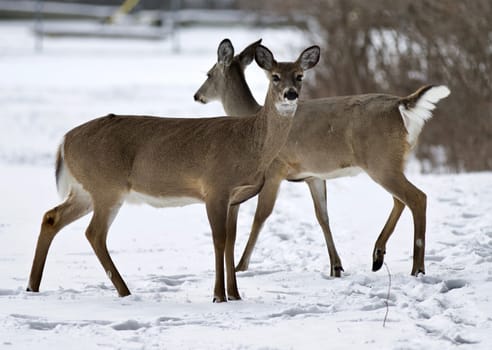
[[367, 46]]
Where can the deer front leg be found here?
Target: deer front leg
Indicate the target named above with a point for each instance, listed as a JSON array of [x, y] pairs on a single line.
[[389, 227], [318, 194], [217, 217], [266, 201], [232, 291]]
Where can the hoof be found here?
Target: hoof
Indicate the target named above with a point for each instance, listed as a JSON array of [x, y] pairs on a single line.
[[378, 259], [417, 272], [337, 271], [219, 300], [233, 298], [241, 267], [376, 265]]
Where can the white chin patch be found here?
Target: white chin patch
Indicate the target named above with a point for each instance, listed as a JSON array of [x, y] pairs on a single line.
[[286, 108]]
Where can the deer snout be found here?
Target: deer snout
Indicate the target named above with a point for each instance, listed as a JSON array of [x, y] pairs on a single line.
[[199, 98], [291, 95]]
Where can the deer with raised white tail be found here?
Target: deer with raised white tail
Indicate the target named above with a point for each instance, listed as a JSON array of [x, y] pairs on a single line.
[[173, 162], [334, 137]]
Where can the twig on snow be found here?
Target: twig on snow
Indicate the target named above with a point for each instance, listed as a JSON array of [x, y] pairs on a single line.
[[388, 295]]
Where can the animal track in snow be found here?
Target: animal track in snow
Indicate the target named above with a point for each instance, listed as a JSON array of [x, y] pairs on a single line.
[[129, 325], [452, 284]]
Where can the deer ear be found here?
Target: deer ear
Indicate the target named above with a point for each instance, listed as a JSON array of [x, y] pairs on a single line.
[[309, 57], [225, 52], [248, 54], [264, 58]]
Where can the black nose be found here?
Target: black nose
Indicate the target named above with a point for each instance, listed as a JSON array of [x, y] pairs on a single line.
[[196, 97], [291, 95]]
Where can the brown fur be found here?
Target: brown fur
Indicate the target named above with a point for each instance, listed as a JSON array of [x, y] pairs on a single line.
[[330, 134], [219, 161]]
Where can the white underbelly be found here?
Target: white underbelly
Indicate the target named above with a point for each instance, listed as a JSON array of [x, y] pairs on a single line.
[[342, 172], [160, 202]]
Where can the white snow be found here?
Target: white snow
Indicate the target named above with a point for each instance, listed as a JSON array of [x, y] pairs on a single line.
[[166, 255]]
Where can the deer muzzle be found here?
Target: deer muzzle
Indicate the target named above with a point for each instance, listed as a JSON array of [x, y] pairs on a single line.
[[199, 98], [291, 95]]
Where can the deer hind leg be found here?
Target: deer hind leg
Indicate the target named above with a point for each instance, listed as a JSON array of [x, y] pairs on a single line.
[[217, 216], [318, 194], [416, 201], [96, 233], [266, 201], [75, 206], [232, 291], [389, 227]]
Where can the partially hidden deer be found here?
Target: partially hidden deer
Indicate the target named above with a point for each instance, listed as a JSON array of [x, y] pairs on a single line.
[[335, 137], [173, 162]]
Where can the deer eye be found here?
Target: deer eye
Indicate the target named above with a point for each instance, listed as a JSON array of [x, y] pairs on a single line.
[[299, 77], [275, 78]]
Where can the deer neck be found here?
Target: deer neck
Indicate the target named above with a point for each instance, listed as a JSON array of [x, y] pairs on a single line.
[[273, 127], [238, 99]]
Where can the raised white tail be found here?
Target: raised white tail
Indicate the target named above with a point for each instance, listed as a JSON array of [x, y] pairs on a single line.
[[332, 137], [417, 108]]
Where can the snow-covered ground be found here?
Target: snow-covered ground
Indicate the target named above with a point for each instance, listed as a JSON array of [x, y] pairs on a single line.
[[166, 256]]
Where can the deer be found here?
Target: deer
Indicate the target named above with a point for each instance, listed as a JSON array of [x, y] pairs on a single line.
[[335, 137], [163, 162]]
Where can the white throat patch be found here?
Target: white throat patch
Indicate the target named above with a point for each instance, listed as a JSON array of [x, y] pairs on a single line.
[[286, 108]]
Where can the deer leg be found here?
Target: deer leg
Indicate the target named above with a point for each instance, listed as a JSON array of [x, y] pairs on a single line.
[[418, 206], [232, 291], [389, 227], [217, 216], [266, 201], [318, 194], [416, 201], [97, 233], [76, 206]]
